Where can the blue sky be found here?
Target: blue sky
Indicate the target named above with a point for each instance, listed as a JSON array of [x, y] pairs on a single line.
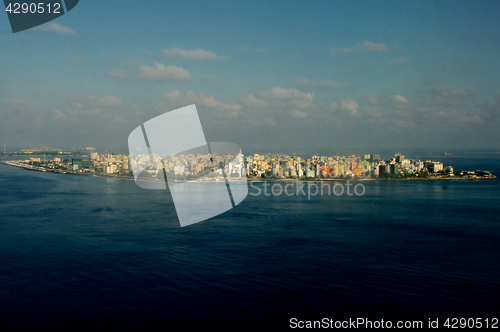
[[267, 76]]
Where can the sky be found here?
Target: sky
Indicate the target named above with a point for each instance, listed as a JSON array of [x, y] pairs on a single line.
[[268, 76]]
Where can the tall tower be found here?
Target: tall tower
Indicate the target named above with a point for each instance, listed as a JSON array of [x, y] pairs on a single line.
[[4, 149]]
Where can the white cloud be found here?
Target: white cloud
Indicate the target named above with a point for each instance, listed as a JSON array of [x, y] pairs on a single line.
[[375, 99], [95, 102], [399, 101], [161, 73], [57, 28], [278, 93], [351, 106], [489, 111], [373, 113], [58, 114], [323, 85], [364, 47], [279, 98], [447, 103], [459, 92], [16, 102], [119, 74], [196, 54], [178, 98], [251, 101], [108, 101], [347, 106], [298, 114], [396, 101], [397, 62], [399, 98], [437, 97], [369, 46]]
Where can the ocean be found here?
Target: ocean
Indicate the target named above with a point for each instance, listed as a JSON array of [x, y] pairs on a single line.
[[87, 252]]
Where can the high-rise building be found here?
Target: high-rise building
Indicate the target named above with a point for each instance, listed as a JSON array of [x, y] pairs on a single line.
[[110, 169], [394, 169], [334, 170], [384, 169], [435, 167]]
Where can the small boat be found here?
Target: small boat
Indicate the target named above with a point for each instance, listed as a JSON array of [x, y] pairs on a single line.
[[448, 154]]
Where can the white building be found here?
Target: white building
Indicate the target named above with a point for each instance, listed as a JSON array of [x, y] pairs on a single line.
[[438, 167], [179, 170], [110, 169]]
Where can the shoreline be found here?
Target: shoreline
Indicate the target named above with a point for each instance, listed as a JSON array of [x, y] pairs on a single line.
[[14, 163], [41, 169], [375, 179]]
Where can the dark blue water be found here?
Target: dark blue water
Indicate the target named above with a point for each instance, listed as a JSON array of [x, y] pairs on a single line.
[[81, 251]]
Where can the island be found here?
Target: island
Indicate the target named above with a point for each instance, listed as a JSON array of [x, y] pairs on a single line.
[[189, 167]]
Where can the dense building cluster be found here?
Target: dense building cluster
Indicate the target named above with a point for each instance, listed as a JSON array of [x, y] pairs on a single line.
[[107, 164], [206, 166], [368, 165], [190, 166]]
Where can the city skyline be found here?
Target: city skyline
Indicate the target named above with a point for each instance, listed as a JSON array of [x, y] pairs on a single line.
[[199, 165], [311, 77]]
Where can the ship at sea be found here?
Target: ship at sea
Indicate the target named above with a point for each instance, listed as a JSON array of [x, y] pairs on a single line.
[[448, 154]]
